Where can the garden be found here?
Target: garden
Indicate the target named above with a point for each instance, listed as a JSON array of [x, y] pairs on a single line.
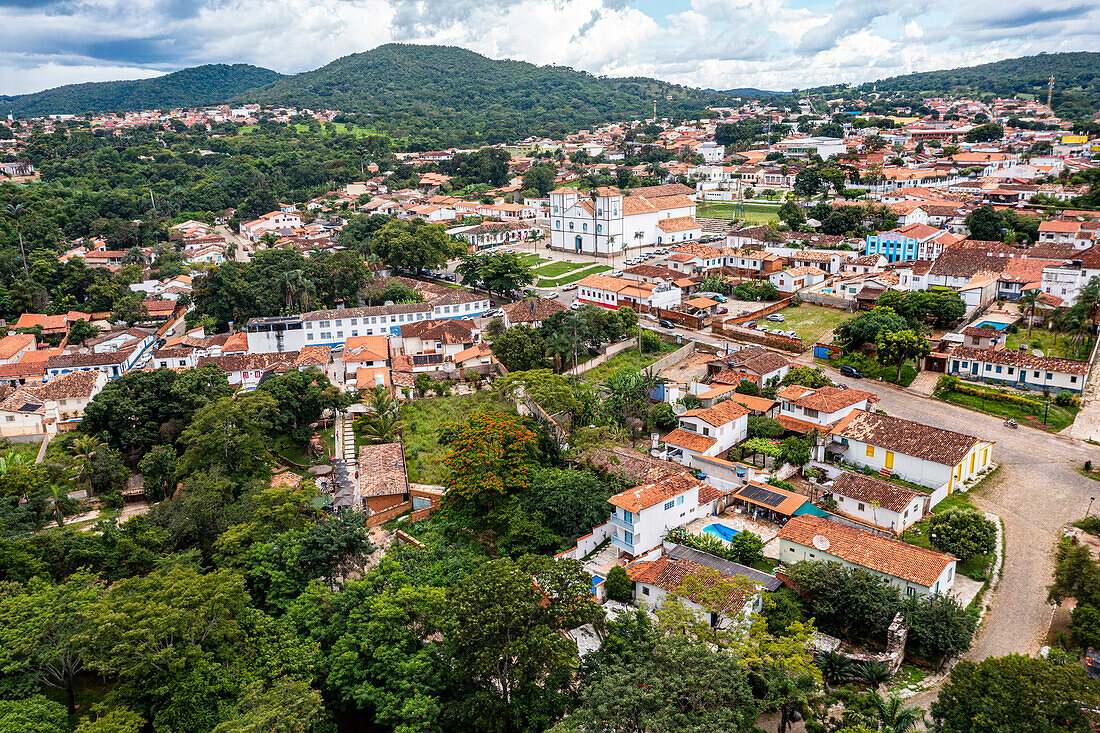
[[571, 276], [811, 322], [1051, 343], [1051, 413]]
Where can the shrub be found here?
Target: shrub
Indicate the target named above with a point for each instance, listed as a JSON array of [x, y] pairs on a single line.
[[962, 532], [619, 585], [1066, 399]]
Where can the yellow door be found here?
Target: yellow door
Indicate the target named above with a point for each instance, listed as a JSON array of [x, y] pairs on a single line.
[[890, 459], [973, 456]]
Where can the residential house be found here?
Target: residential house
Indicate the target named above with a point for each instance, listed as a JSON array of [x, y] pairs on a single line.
[[912, 569], [615, 292], [112, 363], [805, 409], [745, 262], [797, 278], [641, 516], [1019, 369], [912, 242], [655, 579], [932, 457], [767, 365], [247, 371], [984, 338], [431, 344], [864, 265], [708, 431], [38, 409], [886, 505], [13, 346], [530, 311], [363, 352], [383, 481]]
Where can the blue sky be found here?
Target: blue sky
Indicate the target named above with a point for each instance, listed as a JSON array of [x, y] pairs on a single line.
[[770, 44]]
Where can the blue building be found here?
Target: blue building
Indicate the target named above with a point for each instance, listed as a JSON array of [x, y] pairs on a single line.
[[912, 242]]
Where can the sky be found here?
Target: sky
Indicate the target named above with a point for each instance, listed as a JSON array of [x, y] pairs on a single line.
[[719, 44]]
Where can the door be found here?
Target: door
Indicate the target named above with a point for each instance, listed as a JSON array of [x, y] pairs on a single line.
[[578, 243], [890, 459]]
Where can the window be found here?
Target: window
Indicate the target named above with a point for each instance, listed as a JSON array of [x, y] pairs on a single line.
[[909, 591], [870, 451], [1073, 380], [861, 507], [809, 413], [669, 505], [998, 369], [1036, 375], [1011, 370], [1050, 376], [706, 431], [680, 499], [989, 367], [584, 227], [570, 225], [645, 590], [599, 228], [557, 222]]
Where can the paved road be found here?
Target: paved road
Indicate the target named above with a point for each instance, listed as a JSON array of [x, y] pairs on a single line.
[[1036, 491]]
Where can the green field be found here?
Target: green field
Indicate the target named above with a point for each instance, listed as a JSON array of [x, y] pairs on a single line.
[[1057, 418], [811, 322], [544, 282], [420, 423], [557, 269], [1052, 343], [628, 359], [532, 260], [756, 213]]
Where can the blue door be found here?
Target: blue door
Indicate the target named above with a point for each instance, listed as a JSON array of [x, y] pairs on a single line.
[[578, 243]]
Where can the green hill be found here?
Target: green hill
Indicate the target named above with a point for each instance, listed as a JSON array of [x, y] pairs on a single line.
[[451, 94], [1076, 81], [192, 87]]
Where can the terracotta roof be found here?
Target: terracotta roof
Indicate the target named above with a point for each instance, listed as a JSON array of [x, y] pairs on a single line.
[[1022, 359], [382, 470], [367, 348], [669, 576], [364, 376], [825, 399], [242, 362], [755, 404], [313, 356], [722, 413], [449, 331], [692, 441], [868, 549], [603, 282], [89, 360], [893, 497], [798, 426], [765, 363], [641, 497], [906, 437], [72, 385], [531, 310], [237, 342], [639, 468], [476, 351], [734, 377]]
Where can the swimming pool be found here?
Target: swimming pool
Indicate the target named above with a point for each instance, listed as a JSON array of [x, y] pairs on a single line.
[[721, 531], [993, 324], [596, 580]]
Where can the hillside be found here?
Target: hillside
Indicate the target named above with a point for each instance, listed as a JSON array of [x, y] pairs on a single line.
[[192, 87], [1076, 81], [454, 95]]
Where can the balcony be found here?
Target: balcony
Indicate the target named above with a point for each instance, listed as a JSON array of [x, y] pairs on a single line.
[[620, 522], [622, 544]]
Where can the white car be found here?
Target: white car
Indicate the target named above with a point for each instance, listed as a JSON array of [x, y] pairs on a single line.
[[552, 295], [777, 317], [616, 273], [575, 305]]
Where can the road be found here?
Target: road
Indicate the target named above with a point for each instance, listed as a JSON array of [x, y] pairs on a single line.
[[1037, 491]]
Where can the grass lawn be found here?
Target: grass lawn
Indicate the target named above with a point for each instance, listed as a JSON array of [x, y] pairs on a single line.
[[556, 269], [532, 260], [1058, 418], [296, 451], [1052, 343], [545, 282], [871, 369], [627, 359], [977, 567], [811, 322], [756, 213], [420, 423]]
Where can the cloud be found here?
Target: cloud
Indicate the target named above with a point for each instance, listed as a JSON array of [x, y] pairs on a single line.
[[774, 44]]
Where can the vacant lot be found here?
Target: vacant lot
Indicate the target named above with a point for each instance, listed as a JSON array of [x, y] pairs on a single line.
[[756, 213], [811, 322], [420, 423], [1051, 343], [628, 359]]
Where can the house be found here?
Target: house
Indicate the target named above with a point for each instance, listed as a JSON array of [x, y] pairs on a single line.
[[655, 579], [708, 431], [641, 516], [13, 346], [331, 327], [476, 356], [494, 233], [530, 311], [1019, 369], [797, 278], [39, 408], [864, 265], [984, 338], [915, 570], [272, 222], [804, 409], [883, 504], [383, 481], [615, 292], [112, 363], [363, 352], [431, 344], [932, 457], [912, 242], [51, 325], [745, 262], [767, 365], [247, 371]]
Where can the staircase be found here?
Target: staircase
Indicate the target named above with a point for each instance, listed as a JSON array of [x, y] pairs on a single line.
[[885, 473]]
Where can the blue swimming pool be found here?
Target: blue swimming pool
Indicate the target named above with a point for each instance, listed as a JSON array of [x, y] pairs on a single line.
[[993, 324], [721, 531], [596, 580]]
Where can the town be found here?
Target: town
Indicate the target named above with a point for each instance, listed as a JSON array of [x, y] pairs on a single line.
[[789, 409]]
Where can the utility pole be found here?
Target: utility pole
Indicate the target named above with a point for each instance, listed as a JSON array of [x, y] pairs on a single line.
[[1050, 90]]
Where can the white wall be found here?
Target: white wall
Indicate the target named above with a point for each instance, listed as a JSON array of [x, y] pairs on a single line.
[[791, 552]]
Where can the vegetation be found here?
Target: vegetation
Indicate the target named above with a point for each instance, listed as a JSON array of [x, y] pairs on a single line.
[[1035, 411]]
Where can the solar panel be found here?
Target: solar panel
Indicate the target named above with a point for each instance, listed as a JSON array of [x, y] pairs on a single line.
[[762, 495]]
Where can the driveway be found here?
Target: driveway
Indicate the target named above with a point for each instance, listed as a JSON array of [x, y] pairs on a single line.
[[1036, 491]]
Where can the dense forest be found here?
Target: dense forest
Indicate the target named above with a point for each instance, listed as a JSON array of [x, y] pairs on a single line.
[[194, 87], [1076, 82]]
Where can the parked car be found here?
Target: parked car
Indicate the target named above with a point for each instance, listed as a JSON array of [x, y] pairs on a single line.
[[665, 323], [750, 324], [723, 311], [575, 305], [552, 295], [722, 299], [792, 334], [616, 273], [570, 286], [850, 371], [777, 317]]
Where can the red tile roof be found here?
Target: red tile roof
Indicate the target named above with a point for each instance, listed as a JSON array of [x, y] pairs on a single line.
[[641, 497]]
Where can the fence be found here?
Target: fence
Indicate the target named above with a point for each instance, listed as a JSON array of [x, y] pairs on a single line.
[[773, 340], [674, 358], [602, 358], [757, 314], [829, 301]]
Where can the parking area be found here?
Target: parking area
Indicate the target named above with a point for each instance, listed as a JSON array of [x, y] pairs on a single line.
[[812, 323]]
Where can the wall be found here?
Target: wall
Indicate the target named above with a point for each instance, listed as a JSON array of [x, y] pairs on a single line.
[[757, 314], [602, 358], [829, 301], [388, 514], [674, 358], [587, 543], [771, 340]]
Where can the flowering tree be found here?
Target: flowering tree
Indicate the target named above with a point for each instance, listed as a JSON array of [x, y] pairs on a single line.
[[492, 454]]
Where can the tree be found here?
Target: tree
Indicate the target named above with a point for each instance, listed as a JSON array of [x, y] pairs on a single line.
[[1027, 302], [848, 602], [492, 455], [765, 427], [940, 628], [865, 327], [414, 246], [520, 349], [379, 424], [985, 223], [540, 178], [894, 716], [795, 451], [812, 377], [746, 387], [985, 133], [83, 449], [107, 473], [36, 714], [835, 667], [80, 331], [231, 434], [619, 585], [39, 630], [112, 720], [1017, 694], [962, 532], [301, 396], [15, 213], [129, 309], [332, 548], [158, 471], [875, 674], [627, 395], [791, 214], [571, 502], [898, 347]]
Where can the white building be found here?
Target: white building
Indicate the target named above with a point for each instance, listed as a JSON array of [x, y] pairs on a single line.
[[886, 505], [823, 406], [1019, 369], [914, 570], [615, 292], [797, 278], [708, 431], [641, 516], [606, 221]]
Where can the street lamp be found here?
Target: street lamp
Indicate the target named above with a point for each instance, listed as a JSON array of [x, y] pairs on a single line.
[[1091, 499]]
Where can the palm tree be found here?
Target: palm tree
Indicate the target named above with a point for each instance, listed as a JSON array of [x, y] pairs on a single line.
[[874, 673], [297, 289], [894, 716], [83, 449], [380, 422], [15, 213], [1027, 302], [56, 495], [835, 667], [134, 256], [9, 462], [559, 345]]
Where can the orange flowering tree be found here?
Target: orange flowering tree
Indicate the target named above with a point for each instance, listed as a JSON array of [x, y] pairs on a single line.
[[493, 454]]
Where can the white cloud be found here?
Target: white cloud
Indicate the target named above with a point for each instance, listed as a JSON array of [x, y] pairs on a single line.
[[774, 44]]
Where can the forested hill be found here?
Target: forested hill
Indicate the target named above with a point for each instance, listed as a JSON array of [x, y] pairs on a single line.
[[454, 95], [192, 87], [1076, 81]]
